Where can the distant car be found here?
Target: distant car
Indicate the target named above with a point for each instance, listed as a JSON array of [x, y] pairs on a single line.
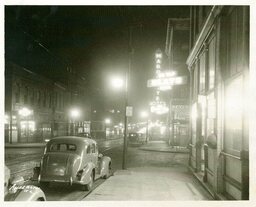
[[72, 160], [16, 190], [136, 138]]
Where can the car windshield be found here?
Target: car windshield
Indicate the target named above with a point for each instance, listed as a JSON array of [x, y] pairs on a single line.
[[63, 147]]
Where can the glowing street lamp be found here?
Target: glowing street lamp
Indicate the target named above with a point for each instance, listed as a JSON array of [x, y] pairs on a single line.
[[144, 114], [117, 82], [107, 121], [74, 113]]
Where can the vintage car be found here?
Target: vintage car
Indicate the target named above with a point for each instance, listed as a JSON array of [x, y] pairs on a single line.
[[136, 138], [16, 190], [72, 160]]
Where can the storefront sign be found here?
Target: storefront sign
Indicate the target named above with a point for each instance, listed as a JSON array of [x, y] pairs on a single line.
[[128, 111]]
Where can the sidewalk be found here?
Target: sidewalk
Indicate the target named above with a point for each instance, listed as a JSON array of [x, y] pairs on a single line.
[[148, 183], [162, 146], [152, 176]]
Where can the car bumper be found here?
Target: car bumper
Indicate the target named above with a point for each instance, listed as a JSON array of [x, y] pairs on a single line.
[[67, 180]]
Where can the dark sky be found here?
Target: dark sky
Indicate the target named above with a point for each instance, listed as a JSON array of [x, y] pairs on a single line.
[[94, 40]]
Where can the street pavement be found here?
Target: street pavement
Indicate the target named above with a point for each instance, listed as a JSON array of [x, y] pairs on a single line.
[[21, 158], [155, 172]]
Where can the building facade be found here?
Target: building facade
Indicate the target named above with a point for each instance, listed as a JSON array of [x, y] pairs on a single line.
[[219, 65], [177, 49], [36, 107]]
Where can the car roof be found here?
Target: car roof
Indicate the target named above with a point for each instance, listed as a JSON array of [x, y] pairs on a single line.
[[73, 139]]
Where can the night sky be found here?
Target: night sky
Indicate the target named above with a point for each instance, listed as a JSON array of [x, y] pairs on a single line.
[[93, 40]]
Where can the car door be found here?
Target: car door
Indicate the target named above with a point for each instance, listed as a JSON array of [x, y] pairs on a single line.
[[87, 155], [94, 154]]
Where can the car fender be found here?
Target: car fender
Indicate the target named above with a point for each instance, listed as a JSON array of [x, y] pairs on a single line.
[[27, 193], [104, 164], [7, 175], [36, 173], [87, 172]]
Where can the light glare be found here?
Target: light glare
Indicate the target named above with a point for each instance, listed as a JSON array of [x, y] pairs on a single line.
[[117, 82]]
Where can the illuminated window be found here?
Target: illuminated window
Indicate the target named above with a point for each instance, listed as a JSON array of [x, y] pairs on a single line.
[[202, 73], [195, 81], [234, 115], [211, 64]]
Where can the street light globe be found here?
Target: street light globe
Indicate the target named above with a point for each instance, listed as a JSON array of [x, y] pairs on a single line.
[[144, 114], [117, 82], [107, 121], [74, 113]]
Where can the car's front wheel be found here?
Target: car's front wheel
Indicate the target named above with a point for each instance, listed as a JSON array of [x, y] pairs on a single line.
[[88, 186], [108, 173]]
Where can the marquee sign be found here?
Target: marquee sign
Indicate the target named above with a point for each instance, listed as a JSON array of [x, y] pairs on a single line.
[[161, 82]]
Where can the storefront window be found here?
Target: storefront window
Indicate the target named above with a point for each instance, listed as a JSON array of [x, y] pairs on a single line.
[[233, 115], [211, 64], [195, 81], [211, 114], [194, 118]]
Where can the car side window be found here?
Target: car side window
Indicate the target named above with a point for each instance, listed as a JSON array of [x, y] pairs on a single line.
[[94, 148]]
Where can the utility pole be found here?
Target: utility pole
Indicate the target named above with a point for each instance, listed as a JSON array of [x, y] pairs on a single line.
[[127, 79]]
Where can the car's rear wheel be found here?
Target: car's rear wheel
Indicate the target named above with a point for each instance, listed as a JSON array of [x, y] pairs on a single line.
[[89, 186], [40, 199], [107, 175]]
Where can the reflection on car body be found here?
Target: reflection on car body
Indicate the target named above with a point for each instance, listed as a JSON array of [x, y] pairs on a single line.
[[16, 190], [72, 160]]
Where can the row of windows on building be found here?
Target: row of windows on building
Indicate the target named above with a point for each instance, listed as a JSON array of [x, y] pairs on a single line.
[[41, 98], [232, 44]]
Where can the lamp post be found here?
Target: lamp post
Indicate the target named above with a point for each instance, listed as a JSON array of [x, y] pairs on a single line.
[[74, 114], [25, 112], [118, 83], [107, 122], [144, 114], [127, 110]]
